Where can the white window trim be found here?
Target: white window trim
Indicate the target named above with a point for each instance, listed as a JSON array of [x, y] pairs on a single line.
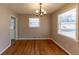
[[76, 27], [34, 26]]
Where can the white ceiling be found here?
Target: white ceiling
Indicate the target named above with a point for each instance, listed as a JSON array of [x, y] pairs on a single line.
[[29, 8]]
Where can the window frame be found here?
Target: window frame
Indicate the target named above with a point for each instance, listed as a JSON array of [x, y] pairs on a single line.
[[34, 26], [76, 25]]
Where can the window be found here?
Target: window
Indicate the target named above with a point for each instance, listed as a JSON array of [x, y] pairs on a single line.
[[67, 23], [34, 22]]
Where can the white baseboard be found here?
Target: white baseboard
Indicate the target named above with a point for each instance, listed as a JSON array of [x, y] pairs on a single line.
[[5, 49], [33, 38], [61, 47]]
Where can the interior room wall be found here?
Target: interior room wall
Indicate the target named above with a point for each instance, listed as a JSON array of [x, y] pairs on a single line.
[[68, 44], [5, 17], [25, 32]]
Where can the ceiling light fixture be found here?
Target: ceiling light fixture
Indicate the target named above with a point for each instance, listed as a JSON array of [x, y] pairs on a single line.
[[41, 11]]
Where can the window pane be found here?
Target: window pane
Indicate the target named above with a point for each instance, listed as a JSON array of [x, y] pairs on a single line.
[[67, 23], [34, 22]]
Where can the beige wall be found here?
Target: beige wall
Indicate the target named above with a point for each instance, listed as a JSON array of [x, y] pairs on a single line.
[[69, 44], [5, 17], [25, 32]]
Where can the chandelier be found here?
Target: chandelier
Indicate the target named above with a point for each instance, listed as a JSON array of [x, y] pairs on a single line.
[[41, 11]]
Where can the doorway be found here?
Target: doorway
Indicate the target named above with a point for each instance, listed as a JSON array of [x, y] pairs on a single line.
[[13, 30]]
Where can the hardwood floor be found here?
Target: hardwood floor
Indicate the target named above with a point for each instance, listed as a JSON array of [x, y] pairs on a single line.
[[34, 47]]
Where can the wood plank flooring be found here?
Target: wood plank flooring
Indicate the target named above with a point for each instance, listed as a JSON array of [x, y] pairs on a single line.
[[34, 47]]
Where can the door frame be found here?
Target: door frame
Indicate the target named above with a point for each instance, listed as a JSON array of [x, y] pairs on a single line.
[[16, 26]]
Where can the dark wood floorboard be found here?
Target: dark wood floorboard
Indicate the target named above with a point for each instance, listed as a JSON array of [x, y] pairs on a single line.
[[34, 47]]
